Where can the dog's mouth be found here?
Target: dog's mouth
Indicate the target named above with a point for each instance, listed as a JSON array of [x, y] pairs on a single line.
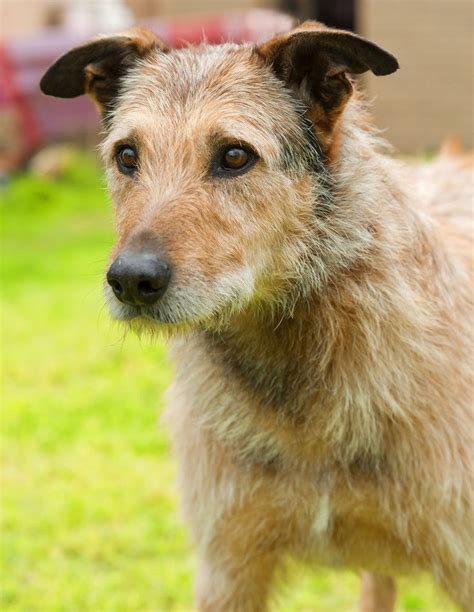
[[126, 312], [163, 315]]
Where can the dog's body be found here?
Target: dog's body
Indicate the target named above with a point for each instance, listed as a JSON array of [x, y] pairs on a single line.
[[340, 432], [319, 301]]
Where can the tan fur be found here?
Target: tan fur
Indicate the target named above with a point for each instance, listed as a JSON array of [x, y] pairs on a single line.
[[378, 593], [321, 329]]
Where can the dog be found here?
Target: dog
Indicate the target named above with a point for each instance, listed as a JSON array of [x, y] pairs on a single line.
[[316, 296]]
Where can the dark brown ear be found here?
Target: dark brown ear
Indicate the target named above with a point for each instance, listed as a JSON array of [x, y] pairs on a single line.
[[96, 67], [314, 60]]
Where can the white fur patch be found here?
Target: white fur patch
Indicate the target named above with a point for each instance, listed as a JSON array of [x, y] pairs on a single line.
[[240, 282], [323, 516]]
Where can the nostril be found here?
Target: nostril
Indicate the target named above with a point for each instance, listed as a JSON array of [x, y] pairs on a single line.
[[146, 288], [116, 287]]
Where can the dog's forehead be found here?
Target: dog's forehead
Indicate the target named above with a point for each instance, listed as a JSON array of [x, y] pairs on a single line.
[[226, 81], [192, 73], [204, 68]]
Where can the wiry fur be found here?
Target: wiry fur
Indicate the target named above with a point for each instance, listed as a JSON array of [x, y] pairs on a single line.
[[319, 310], [345, 419]]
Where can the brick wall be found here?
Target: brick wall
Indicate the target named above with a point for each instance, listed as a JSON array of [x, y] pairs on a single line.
[[431, 96]]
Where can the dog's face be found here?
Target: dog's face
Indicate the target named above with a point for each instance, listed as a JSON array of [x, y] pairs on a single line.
[[215, 162], [214, 189]]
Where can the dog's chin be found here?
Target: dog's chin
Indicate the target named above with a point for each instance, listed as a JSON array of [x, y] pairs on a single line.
[[152, 326], [155, 320], [146, 319]]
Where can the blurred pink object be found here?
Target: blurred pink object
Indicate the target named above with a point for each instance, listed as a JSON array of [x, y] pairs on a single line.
[[36, 119]]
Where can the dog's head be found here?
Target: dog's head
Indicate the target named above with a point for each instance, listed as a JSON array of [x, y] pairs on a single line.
[[216, 161]]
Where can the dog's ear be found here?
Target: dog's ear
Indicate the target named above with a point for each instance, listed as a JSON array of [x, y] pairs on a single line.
[[314, 60], [96, 67]]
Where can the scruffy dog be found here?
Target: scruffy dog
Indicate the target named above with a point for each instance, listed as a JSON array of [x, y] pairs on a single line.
[[316, 294]]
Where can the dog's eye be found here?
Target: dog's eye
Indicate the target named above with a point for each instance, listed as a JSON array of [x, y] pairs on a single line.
[[234, 160], [127, 159]]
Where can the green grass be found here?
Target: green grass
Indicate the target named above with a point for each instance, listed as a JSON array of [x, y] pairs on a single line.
[[89, 503]]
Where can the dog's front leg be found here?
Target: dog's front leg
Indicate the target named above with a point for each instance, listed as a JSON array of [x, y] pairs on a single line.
[[378, 593], [239, 546], [234, 584], [239, 530], [238, 513]]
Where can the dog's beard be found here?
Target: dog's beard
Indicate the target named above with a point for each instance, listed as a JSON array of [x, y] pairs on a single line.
[[166, 312], [183, 308]]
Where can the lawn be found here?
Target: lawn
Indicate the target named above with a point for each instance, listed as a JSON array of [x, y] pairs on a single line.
[[89, 502]]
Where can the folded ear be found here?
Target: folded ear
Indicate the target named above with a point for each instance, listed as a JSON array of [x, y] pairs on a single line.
[[314, 60], [95, 68]]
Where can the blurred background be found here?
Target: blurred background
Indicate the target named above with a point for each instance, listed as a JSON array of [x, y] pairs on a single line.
[[89, 515]]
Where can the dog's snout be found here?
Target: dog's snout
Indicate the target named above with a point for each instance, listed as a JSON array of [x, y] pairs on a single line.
[[139, 278]]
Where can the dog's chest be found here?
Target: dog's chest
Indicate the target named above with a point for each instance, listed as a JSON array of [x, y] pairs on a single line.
[[252, 408], [343, 521]]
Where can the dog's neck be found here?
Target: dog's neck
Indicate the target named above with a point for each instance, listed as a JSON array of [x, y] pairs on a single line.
[[264, 352], [306, 373]]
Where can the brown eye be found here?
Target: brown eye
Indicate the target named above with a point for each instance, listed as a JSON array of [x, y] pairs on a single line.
[[233, 160], [127, 160]]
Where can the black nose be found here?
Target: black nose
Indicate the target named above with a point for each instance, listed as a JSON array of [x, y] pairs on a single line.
[[139, 278]]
